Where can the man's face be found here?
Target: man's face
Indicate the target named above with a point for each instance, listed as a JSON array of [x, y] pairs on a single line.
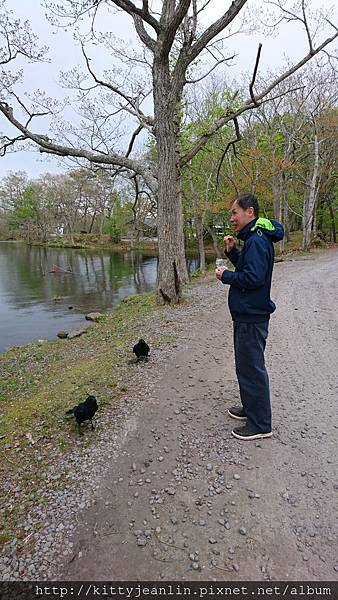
[[240, 216]]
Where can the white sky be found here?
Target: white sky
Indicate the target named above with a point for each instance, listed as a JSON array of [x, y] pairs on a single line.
[[64, 53]]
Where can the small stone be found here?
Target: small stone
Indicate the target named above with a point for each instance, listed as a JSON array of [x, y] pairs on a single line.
[[212, 540], [235, 567], [62, 335], [195, 566], [242, 530], [171, 491], [94, 316], [142, 542], [236, 476]]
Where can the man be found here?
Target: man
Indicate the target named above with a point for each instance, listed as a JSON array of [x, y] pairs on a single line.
[[250, 306]]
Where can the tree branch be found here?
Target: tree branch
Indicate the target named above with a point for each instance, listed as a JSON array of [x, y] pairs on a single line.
[[133, 138], [254, 74], [215, 29], [110, 158], [6, 142], [219, 62], [173, 26], [144, 119], [143, 34], [143, 13], [231, 143], [306, 27]]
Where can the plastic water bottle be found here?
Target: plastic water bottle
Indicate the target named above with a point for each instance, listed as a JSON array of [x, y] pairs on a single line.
[[220, 262]]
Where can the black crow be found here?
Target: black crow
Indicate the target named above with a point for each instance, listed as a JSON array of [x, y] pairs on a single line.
[[141, 349], [84, 411]]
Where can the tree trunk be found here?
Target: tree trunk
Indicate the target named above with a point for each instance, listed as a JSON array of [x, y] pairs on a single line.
[[276, 196], [92, 222], [310, 198], [172, 269], [199, 231], [333, 225], [286, 219], [213, 236], [198, 221]]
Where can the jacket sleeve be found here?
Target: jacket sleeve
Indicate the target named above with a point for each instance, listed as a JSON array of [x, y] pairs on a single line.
[[255, 266], [233, 255]]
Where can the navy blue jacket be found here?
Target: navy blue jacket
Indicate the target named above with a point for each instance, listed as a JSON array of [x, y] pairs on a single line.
[[250, 283]]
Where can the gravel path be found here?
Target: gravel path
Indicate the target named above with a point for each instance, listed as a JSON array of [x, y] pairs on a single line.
[[168, 493]]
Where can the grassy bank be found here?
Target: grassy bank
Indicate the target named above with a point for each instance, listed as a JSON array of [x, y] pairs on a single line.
[[40, 381], [103, 242]]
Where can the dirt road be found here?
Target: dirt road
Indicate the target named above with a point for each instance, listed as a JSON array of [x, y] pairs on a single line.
[[182, 499]]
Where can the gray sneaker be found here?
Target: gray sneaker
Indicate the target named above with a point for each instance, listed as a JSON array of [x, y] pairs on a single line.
[[237, 412]]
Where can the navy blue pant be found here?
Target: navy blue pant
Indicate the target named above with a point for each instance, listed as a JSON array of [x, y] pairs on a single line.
[[249, 344]]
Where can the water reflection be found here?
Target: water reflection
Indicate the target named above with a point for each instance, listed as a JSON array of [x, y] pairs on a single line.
[[36, 303]]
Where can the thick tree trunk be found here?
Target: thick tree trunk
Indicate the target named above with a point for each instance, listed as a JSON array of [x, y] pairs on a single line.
[[172, 269]]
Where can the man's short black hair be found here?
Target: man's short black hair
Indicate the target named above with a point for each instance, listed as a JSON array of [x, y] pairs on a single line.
[[246, 201]]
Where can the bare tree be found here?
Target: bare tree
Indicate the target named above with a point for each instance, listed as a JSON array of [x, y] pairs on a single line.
[[172, 39]]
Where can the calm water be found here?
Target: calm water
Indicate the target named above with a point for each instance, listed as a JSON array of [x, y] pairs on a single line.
[[35, 304]]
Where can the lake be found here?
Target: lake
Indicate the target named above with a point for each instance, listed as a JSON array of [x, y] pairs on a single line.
[[36, 304]]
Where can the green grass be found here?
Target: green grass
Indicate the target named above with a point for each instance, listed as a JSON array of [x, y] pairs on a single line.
[[40, 381]]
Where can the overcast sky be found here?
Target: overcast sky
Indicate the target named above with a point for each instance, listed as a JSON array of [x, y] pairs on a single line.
[[64, 53]]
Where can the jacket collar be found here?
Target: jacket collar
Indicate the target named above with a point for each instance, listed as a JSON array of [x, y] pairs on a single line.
[[244, 232]]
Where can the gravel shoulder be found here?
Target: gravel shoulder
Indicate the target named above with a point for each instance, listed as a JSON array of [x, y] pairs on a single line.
[[165, 492]]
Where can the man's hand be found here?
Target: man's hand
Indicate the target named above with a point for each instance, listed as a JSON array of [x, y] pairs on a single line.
[[229, 242], [219, 271]]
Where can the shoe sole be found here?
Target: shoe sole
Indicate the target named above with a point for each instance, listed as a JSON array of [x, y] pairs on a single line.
[[255, 436], [235, 416]]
